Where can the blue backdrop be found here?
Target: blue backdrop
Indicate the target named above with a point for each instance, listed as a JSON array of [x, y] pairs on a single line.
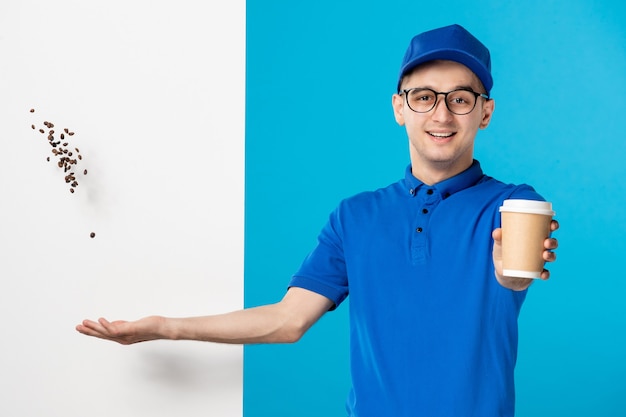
[[320, 128]]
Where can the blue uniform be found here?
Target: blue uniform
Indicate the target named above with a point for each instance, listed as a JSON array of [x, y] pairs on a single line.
[[432, 332]]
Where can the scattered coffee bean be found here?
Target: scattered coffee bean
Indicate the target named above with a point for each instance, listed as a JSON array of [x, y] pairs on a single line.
[[92, 235], [61, 150]]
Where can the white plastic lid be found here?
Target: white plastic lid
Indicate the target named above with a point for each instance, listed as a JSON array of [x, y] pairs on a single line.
[[527, 206]]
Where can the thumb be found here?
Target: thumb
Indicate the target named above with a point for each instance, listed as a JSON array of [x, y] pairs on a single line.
[[497, 245]]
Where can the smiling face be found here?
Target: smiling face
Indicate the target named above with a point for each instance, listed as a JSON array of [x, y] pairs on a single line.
[[441, 143]]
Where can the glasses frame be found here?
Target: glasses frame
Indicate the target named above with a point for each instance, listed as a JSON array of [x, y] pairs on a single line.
[[445, 94]]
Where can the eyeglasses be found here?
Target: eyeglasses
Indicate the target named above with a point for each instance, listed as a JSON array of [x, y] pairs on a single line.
[[461, 101]]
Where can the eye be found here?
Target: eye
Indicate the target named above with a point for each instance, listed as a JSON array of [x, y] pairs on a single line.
[[422, 96], [461, 98]]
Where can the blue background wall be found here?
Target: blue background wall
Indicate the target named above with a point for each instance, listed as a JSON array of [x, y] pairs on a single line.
[[320, 128]]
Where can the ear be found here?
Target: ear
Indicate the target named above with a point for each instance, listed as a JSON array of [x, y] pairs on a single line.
[[487, 111], [397, 102]]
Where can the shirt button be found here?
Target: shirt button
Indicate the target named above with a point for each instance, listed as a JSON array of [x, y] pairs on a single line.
[[419, 230], [412, 191], [424, 211], [429, 192]]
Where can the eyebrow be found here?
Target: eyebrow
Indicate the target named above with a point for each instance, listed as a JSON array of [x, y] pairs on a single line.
[[457, 87]]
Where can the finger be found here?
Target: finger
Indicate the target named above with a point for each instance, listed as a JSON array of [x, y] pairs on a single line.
[[105, 324], [545, 274], [549, 256], [497, 234], [91, 328], [554, 225], [88, 323], [100, 328], [81, 328], [551, 243], [114, 329], [103, 321]]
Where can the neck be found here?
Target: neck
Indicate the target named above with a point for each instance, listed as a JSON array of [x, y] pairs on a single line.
[[434, 172]]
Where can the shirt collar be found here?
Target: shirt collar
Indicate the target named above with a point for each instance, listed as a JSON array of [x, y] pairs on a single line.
[[446, 188]]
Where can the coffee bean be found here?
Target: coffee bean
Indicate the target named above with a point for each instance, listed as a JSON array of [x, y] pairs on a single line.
[[92, 235], [61, 150], [32, 110]]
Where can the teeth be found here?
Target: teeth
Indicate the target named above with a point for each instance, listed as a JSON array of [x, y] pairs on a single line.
[[441, 135]]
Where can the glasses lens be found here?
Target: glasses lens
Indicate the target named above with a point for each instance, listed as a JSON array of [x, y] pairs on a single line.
[[461, 101], [421, 100]]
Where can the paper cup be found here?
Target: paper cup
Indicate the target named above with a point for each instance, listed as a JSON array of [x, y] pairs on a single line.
[[525, 226]]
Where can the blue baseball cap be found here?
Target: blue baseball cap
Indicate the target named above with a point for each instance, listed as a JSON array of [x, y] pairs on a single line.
[[452, 43]]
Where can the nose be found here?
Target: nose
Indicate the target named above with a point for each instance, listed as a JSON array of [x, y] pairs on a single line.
[[441, 112]]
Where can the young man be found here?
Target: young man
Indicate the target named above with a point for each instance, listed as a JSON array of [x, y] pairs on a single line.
[[433, 321]]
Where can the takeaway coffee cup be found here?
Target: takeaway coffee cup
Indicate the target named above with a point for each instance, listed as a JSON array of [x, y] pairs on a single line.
[[525, 226]]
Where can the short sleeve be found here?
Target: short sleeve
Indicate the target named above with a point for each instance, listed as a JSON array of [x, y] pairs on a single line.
[[323, 271]]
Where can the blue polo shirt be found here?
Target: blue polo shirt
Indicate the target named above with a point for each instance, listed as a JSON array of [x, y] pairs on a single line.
[[432, 332]]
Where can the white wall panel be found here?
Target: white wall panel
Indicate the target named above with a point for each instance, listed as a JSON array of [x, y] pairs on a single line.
[[155, 94]]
